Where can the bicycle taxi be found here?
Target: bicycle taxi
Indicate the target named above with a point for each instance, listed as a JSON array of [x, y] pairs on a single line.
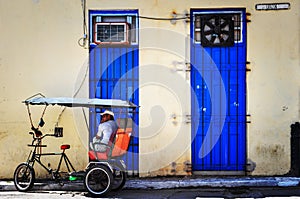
[[105, 171]]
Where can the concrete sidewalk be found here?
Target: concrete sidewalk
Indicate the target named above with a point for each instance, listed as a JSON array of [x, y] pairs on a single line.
[[169, 183], [173, 182]]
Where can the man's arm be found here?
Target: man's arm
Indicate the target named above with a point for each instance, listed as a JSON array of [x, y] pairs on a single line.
[[100, 132]]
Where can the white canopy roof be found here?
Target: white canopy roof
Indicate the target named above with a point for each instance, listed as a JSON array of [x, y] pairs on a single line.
[[80, 102]]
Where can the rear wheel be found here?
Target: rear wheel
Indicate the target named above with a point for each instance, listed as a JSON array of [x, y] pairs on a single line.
[[24, 177], [119, 178], [98, 180]]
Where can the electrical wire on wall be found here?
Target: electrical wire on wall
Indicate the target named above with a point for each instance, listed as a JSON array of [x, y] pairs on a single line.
[[185, 16], [83, 40], [175, 18], [75, 95]]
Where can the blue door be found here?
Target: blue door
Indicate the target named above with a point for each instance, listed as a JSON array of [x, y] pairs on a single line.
[[218, 80], [113, 71]]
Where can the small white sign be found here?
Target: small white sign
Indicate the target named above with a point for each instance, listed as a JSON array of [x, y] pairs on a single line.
[[273, 6]]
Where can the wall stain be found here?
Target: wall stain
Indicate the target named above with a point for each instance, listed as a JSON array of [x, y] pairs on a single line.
[[3, 135], [273, 151]]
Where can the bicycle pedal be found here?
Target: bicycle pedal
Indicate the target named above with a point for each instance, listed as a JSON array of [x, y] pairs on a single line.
[[54, 174], [77, 173], [49, 168]]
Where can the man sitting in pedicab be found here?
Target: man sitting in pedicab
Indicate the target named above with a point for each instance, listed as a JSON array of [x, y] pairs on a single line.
[[110, 140], [106, 131]]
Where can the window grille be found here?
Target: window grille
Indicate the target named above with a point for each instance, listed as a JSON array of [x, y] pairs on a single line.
[[111, 33]]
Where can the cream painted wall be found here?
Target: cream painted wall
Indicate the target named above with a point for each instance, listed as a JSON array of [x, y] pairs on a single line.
[[39, 53], [273, 87]]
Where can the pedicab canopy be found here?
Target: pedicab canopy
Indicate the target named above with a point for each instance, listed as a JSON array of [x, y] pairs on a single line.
[[80, 102], [123, 134]]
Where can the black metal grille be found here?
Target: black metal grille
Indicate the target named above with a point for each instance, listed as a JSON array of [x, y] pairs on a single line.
[[217, 30]]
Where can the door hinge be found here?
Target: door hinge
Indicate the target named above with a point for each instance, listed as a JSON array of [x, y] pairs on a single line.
[[182, 66], [248, 69], [248, 118], [248, 20], [188, 118]]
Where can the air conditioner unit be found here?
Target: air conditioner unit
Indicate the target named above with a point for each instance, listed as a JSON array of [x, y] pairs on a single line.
[[111, 33]]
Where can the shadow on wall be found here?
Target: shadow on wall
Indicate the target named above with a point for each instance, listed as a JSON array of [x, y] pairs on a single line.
[[295, 150]]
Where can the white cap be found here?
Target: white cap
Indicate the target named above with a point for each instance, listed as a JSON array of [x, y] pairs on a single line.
[[108, 113]]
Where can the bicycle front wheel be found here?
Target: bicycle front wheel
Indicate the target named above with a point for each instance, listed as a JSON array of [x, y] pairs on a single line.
[[98, 180], [24, 177]]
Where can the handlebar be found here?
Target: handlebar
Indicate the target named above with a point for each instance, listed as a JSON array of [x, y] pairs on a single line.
[[31, 145], [38, 137]]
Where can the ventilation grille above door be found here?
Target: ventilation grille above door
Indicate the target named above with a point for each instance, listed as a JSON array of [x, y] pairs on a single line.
[[217, 30]]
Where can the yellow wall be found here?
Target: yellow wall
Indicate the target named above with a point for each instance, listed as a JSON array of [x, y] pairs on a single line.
[[39, 53]]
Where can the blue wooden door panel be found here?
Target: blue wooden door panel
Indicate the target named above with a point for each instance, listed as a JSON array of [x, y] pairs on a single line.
[[114, 74], [229, 152]]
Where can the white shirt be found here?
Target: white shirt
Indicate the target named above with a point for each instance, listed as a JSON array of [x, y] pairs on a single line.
[[106, 129]]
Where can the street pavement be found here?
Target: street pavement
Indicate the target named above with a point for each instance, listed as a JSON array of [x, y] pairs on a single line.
[[172, 183]]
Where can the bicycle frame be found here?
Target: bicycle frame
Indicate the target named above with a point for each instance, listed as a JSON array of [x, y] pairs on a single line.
[[35, 156]]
